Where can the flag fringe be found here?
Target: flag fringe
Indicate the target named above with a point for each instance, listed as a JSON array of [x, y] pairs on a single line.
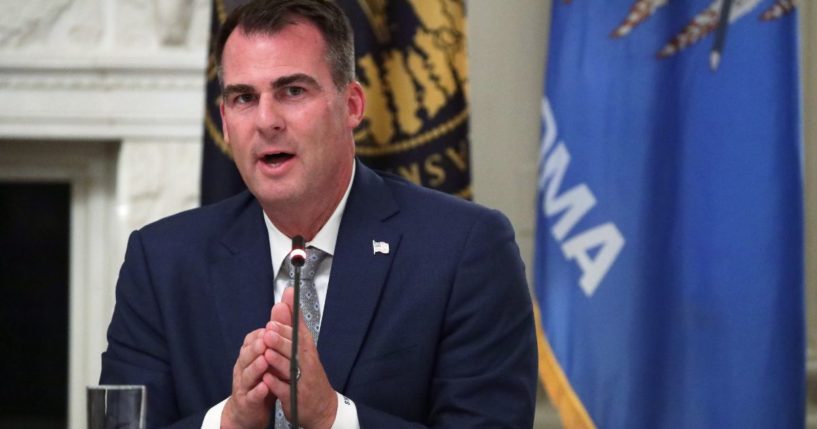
[[561, 393]]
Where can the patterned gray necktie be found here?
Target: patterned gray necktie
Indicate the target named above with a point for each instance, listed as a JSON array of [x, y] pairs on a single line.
[[310, 307]]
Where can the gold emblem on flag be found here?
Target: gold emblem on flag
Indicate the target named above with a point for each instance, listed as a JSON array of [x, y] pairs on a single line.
[[413, 81], [416, 81]]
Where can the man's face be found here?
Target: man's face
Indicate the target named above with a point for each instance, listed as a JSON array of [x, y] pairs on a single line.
[[287, 124]]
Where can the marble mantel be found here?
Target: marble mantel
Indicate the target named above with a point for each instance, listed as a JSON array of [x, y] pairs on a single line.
[[107, 95]]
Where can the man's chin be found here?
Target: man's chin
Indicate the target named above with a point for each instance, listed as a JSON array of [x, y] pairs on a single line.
[[276, 195]]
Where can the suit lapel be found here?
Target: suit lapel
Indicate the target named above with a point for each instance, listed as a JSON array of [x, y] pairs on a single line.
[[358, 274], [241, 278]]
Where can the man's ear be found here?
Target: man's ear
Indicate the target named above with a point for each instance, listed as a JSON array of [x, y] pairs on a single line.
[[355, 103]]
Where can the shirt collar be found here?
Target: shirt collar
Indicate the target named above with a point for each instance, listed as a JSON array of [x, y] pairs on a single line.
[[325, 239]]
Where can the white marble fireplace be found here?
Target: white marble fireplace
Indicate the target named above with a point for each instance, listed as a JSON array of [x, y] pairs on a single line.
[[106, 95]]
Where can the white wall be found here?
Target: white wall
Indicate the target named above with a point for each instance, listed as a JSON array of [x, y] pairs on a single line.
[[507, 44]]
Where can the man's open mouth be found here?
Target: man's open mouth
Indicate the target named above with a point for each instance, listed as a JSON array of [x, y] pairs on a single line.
[[276, 158]]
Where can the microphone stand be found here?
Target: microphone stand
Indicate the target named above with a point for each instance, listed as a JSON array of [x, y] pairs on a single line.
[[298, 258]]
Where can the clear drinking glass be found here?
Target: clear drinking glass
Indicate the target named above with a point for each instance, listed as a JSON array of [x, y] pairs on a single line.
[[116, 407]]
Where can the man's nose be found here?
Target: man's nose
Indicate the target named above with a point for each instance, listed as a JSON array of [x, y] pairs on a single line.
[[269, 118]]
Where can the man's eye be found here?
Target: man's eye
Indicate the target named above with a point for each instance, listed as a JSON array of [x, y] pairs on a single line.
[[243, 98], [294, 91]]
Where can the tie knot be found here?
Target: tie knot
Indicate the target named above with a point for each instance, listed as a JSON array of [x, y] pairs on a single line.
[[314, 257]]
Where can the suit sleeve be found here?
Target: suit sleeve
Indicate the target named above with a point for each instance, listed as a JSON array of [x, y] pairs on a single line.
[[486, 365], [137, 350]]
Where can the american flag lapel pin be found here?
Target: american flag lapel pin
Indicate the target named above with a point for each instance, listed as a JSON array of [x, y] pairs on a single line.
[[380, 247]]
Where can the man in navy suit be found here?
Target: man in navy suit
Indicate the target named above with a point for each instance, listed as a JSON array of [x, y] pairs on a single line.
[[426, 320]]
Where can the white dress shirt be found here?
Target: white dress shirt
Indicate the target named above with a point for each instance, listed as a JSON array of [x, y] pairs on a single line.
[[280, 246]]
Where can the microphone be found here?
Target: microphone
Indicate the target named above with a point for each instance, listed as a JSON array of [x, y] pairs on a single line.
[[298, 257], [298, 254]]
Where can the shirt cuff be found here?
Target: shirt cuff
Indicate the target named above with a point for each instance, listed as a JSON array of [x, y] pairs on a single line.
[[346, 417], [212, 420]]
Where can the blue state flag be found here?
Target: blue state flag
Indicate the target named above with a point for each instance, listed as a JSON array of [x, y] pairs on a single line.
[[669, 242]]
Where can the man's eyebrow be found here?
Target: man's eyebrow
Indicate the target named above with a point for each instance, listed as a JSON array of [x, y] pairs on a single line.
[[239, 88], [301, 78]]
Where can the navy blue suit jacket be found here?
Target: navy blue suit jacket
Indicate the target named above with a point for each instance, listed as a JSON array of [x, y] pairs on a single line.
[[437, 333]]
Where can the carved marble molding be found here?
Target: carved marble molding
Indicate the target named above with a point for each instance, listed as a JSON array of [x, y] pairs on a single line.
[[173, 20], [78, 25], [102, 97], [98, 80], [103, 69], [30, 22], [156, 179]]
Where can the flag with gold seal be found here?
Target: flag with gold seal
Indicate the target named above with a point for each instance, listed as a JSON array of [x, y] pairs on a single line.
[[411, 59]]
